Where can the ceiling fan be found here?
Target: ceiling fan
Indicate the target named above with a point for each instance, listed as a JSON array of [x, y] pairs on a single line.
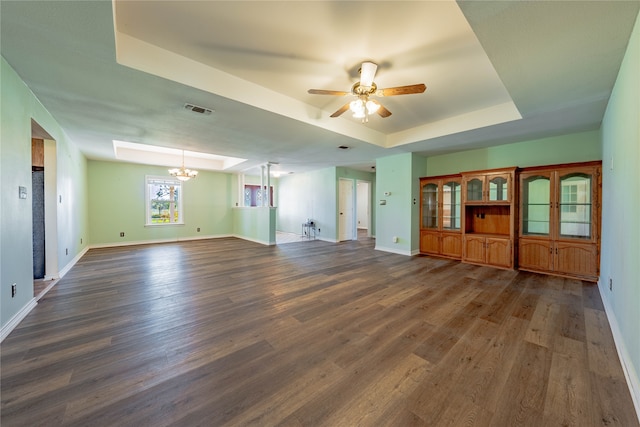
[[363, 89]]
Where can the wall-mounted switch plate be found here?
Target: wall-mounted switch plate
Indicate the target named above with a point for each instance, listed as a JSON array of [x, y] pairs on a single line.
[[22, 192]]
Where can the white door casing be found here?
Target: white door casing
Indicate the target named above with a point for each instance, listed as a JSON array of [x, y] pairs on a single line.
[[346, 219]]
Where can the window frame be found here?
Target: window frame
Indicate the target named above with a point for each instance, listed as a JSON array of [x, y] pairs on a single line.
[[148, 181]]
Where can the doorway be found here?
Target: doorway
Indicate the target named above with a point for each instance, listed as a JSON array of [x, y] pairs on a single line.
[[44, 210], [363, 209], [346, 218]]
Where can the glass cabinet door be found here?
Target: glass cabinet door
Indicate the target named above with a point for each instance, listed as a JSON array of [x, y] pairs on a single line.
[[498, 189], [474, 190], [574, 209], [536, 205], [451, 202], [430, 205]]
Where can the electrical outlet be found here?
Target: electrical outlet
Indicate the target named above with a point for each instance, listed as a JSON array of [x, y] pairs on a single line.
[[610, 284], [198, 230], [14, 290], [122, 234]]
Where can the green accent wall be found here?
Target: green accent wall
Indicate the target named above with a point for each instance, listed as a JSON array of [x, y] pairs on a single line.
[[398, 175], [257, 224], [117, 204], [18, 108], [620, 259], [576, 147]]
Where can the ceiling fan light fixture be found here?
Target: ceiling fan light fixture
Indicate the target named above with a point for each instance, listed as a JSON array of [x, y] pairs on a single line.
[[367, 72], [357, 107], [372, 107], [363, 107]]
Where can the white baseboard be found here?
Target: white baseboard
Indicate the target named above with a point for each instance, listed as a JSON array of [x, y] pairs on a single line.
[[154, 241], [631, 375], [393, 250], [262, 242], [71, 263], [17, 318], [324, 239]]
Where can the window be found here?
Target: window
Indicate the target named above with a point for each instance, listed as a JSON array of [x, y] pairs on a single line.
[[253, 196], [569, 198], [164, 201]]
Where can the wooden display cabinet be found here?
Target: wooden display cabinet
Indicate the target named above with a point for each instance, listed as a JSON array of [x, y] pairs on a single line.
[[489, 186], [560, 220], [489, 217], [441, 216]]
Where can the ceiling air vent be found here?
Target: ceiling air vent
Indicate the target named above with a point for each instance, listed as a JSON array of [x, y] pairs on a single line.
[[196, 109]]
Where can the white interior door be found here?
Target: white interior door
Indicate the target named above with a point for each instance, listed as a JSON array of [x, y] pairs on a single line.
[[363, 212], [345, 210]]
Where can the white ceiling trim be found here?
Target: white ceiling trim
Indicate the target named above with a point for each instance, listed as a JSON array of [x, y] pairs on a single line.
[[494, 115], [171, 157], [151, 59]]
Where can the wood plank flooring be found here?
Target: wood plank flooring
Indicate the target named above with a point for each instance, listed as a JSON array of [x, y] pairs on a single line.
[[229, 332]]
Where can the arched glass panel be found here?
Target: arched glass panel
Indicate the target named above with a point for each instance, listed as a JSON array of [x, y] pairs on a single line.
[[430, 206], [575, 206], [536, 206], [451, 206], [474, 190], [498, 189]]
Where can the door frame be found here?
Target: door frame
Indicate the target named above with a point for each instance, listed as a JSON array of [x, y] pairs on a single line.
[[368, 198], [347, 210]]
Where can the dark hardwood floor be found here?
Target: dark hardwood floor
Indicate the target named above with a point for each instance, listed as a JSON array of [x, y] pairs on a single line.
[[229, 332]]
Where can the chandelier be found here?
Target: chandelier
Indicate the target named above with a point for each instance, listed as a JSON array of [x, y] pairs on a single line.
[[183, 174]]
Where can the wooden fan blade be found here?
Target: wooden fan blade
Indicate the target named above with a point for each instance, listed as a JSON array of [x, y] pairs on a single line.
[[327, 92], [402, 90], [382, 111], [341, 110]]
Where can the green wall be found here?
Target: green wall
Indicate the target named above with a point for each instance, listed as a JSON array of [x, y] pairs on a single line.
[[577, 147], [18, 107], [117, 204], [398, 175], [257, 224], [620, 259]]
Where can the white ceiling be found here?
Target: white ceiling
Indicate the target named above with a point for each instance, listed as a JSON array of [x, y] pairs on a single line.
[[496, 72]]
